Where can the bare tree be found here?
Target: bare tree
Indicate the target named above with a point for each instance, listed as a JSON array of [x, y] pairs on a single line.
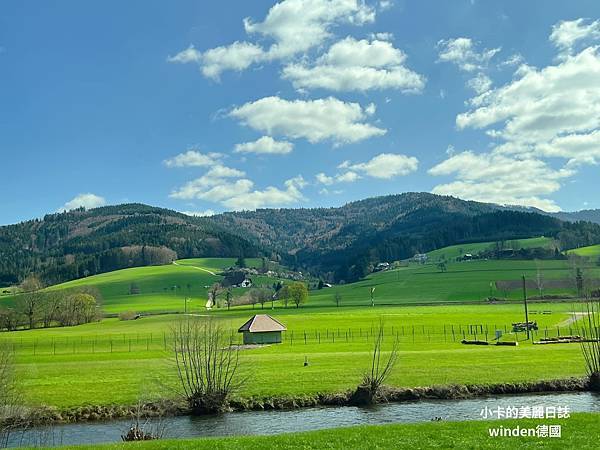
[[539, 278], [9, 400], [591, 347], [29, 302], [208, 367], [143, 427], [260, 295], [369, 391], [337, 298], [214, 292]]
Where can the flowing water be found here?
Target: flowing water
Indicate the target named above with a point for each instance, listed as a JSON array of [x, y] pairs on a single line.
[[275, 422]]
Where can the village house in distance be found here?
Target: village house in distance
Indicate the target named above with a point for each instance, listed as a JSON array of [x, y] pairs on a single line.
[[262, 329]]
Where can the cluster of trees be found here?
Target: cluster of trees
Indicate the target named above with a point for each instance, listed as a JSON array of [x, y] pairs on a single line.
[[295, 293], [35, 307]]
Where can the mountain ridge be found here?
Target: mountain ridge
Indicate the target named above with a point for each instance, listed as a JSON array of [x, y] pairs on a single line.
[[336, 242]]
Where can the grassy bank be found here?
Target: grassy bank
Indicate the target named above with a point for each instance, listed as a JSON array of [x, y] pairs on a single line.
[[84, 371], [579, 431]]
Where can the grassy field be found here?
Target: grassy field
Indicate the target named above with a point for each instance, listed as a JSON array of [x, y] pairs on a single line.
[[116, 362], [166, 288], [161, 288], [454, 251], [579, 431], [592, 251], [463, 281]]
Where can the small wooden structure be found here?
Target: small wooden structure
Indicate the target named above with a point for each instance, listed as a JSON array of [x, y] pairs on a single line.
[[262, 329]]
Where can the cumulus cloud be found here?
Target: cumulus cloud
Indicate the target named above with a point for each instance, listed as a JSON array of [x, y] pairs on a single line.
[[193, 158], [356, 65], [346, 177], [480, 83], [299, 25], [313, 120], [265, 145], [542, 116], [292, 26], [542, 105], [269, 197], [385, 165], [497, 178], [210, 185], [462, 52], [86, 200], [568, 33]]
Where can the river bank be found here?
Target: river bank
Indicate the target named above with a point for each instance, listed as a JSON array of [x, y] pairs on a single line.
[[170, 407]]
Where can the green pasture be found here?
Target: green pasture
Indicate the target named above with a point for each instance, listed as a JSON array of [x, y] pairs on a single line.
[[161, 288], [592, 251], [454, 251], [116, 362], [463, 281], [578, 431]]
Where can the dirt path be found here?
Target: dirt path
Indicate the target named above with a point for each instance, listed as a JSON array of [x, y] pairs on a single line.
[[574, 317], [197, 268]]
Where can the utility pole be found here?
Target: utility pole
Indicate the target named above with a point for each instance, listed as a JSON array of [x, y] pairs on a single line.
[[525, 303]]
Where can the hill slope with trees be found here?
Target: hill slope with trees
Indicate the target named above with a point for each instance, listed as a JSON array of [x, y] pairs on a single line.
[[337, 243]]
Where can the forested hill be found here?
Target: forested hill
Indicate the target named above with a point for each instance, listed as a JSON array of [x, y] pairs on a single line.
[[78, 243], [341, 243], [337, 243]]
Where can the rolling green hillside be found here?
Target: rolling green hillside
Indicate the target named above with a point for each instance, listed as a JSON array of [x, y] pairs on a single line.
[[455, 251], [165, 288], [593, 251], [463, 281]]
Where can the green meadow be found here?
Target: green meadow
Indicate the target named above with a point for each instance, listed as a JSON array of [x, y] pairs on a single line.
[[592, 251], [117, 362], [454, 251], [426, 310], [579, 431], [166, 288]]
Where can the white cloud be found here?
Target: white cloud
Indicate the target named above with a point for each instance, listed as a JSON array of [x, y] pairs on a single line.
[[480, 84], [86, 200], [543, 104], [202, 187], [541, 114], [269, 197], [567, 33], [193, 158], [501, 179], [265, 145], [386, 165], [225, 186], [356, 65], [381, 36], [299, 25], [205, 213], [346, 177], [462, 52], [314, 120], [293, 26]]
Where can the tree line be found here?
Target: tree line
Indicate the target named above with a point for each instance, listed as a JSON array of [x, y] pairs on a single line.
[[35, 307]]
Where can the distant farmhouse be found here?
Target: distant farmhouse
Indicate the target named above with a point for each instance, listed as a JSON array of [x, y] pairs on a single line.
[[420, 258], [262, 329], [382, 266], [237, 278]]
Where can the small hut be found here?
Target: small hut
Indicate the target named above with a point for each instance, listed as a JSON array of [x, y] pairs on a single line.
[[262, 329]]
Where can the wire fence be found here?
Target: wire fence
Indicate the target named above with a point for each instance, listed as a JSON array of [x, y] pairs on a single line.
[[405, 334]]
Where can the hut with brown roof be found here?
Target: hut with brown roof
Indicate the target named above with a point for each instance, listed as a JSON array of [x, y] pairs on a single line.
[[262, 329]]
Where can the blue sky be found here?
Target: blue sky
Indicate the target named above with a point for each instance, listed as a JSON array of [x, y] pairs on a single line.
[[205, 107]]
